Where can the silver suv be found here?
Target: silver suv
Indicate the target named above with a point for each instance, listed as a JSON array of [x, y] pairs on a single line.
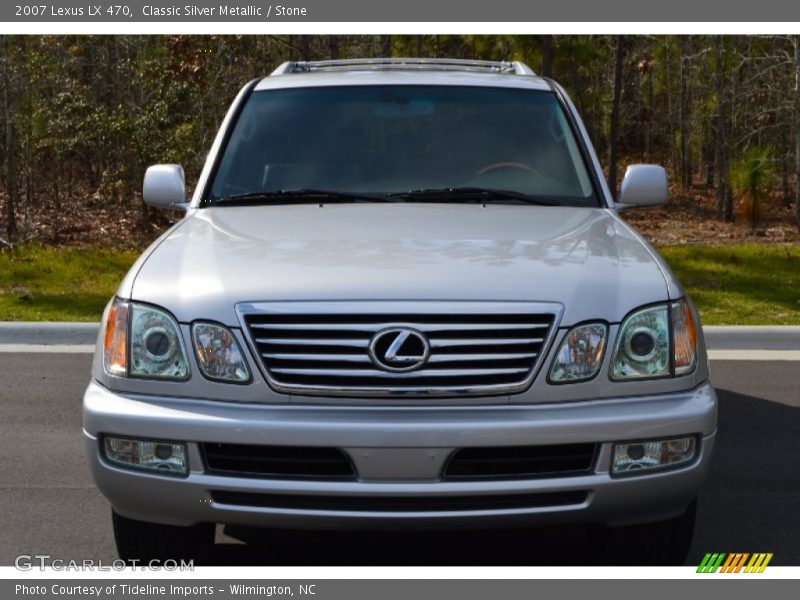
[[401, 296]]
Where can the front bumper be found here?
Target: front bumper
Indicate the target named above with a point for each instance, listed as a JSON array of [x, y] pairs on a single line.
[[398, 452]]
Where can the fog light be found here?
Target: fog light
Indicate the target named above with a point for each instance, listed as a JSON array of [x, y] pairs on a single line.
[[164, 451], [636, 452], [633, 458], [166, 457]]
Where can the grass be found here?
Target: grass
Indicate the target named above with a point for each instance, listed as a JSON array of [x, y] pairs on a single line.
[[746, 284], [59, 284]]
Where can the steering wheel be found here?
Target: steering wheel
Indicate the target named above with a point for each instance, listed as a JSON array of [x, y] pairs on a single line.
[[507, 165]]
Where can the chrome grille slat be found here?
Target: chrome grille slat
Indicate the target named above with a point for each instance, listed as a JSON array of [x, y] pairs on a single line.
[[356, 358], [323, 348], [363, 343], [447, 342], [374, 327], [387, 375], [439, 358], [359, 358]]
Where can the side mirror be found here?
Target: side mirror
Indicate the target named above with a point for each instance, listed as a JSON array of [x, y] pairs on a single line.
[[164, 187], [643, 185]]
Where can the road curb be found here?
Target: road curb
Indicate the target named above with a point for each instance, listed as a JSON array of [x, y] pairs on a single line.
[[746, 337], [47, 333]]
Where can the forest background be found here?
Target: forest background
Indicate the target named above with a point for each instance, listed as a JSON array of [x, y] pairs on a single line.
[[81, 118]]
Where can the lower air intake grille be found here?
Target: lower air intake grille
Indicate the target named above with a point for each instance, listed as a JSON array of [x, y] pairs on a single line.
[[276, 462], [511, 462], [487, 348], [400, 503]]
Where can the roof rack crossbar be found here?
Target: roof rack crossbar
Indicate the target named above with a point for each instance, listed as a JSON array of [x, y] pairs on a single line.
[[445, 64]]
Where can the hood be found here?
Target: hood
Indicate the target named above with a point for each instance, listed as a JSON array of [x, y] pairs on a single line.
[[586, 259]]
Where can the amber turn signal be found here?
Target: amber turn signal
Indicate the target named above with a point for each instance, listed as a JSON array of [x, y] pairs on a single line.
[[684, 330], [116, 339]]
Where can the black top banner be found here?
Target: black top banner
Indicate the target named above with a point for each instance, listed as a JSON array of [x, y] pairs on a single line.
[[496, 11]]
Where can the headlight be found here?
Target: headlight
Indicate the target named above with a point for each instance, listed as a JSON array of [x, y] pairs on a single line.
[[658, 341], [218, 353], [143, 341], [581, 354], [643, 345], [156, 345]]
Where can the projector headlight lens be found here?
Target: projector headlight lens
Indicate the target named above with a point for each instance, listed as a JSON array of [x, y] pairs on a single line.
[[156, 346], [643, 345]]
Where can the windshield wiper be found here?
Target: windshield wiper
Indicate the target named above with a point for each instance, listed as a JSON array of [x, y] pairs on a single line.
[[296, 196], [452, 194], [477, 194]]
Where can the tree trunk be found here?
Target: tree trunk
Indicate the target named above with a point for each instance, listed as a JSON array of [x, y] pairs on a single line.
[[333, 47], [305, 49], [683, 116], [547, 55], [386, 46], [797, 129], [57, 200], [785, 154], [721, 144], [29, 192], [615, 105], [670, 106], [709, 153], [729, 98], [10, 184], [649, 131], [728, 204]]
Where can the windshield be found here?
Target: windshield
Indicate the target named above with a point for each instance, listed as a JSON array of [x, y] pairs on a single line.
[[395, 140]]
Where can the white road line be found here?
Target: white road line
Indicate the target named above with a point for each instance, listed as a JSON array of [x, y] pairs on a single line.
[[46, 348], [754, 354]]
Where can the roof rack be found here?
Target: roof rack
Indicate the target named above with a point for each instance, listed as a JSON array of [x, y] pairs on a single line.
[[426, 64]]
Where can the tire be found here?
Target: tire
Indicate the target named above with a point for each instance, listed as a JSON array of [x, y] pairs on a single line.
[[664, 543], [144, 542]]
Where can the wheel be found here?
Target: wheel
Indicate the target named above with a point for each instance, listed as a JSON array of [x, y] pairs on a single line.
[[143, 541], [665, 543]]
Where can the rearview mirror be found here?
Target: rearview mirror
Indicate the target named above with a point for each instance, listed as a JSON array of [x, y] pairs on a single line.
[[164, 187], [643, 185]]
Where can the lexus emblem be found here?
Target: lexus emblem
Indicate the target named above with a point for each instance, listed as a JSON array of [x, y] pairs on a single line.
[[399, 349]]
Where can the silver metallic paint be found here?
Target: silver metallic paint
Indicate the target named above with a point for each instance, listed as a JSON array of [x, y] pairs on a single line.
[[408, 435]]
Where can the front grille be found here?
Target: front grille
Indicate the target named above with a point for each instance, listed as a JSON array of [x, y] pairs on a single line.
[[510, 462], [276, 462], [480, 351], [400, 503]]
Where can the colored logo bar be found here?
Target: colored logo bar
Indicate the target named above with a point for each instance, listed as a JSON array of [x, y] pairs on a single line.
[[737, 562]]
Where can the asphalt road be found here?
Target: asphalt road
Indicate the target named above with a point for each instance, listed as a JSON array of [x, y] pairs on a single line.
[[50, 506]]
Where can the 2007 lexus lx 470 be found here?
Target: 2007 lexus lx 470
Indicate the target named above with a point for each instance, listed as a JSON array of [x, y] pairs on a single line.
[[401, 296]]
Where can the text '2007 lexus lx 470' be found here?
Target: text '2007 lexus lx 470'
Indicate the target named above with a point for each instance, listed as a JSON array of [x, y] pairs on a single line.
[[401, 296]]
